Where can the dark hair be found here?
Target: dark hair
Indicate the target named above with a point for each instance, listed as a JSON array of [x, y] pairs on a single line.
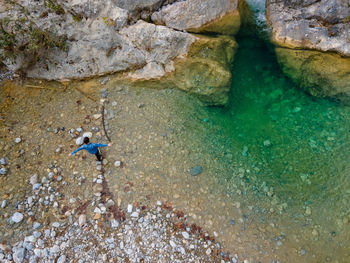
[[86, 140]]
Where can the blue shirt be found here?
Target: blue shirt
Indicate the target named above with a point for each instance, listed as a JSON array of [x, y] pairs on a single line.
[[91, 147]]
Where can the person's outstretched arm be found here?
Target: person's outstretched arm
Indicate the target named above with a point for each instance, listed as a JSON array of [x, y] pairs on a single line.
[[103, 145], [77, 150]]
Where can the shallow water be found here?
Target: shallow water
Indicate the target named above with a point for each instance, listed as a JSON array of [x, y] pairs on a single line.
[[275, 182], [296, 148]]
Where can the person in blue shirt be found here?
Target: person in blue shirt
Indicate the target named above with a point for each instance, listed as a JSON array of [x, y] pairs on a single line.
[[92, 148]]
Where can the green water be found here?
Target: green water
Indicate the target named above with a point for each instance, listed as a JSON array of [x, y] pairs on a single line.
[[293, 142]]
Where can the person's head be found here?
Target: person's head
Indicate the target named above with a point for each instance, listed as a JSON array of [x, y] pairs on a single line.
[[86, 140]]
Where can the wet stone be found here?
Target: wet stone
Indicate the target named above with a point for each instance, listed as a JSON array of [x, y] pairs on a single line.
[[196, 170]]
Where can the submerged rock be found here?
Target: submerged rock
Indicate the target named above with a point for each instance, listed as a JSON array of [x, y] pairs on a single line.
[[196, 170], [321, 74]]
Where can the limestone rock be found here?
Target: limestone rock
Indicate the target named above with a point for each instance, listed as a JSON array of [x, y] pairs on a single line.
[[313, 24], [321, 74], [221, 16]]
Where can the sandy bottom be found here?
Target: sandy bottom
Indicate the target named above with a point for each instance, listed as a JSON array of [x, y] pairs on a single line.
[[158, 135]]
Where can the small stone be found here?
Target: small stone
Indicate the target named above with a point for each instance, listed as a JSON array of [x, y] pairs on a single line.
[[59, 178], [141, 105], [17, 217], [97, 216], [97, 210], [232, 222], [18, 140], [99, 181], [196, 170], [55, 249], [208, 252], [36, 225], [114, 223], [79, 130], [302, 252], [97, 116], [33, 179], [79, 141], [19, 255], [36, 186], [129, 208], [267, 143], [104, 80], [308, 211], [3, 171], [56, 224], [172, 243], [135, 214], [3, 203], [185, 235], [82, 220], [61, 259], [3, 161], [114, 103], [59, 150], [117, 163]]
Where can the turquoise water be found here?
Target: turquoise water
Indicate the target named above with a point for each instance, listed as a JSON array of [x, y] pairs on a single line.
[[293, 142]]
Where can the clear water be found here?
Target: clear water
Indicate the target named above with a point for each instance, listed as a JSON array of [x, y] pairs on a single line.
[[295, 146]]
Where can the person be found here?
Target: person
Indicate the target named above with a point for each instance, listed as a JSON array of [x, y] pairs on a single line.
[[92, 148]]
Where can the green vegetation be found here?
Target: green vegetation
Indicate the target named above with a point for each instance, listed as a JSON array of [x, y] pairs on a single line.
[[54, 6], [23, 36]]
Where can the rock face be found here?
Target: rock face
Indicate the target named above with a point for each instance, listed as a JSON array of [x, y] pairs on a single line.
[[312, 32], [119, 36], [322, 25], [221, 16]]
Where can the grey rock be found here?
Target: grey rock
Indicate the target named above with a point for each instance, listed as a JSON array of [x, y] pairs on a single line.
[[196, 170], [319, 25], [114, 223], [3, 203], [185, 235], [3, 171], [56, 224], [79, 141], [18, 140], [17, 217], [19, 255], [33, 179], [36, 225], [196, 15], [36, 186], [87, 134], [3, 161], [61, 259]]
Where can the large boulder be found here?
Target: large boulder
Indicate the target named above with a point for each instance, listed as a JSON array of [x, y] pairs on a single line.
[[321, 74], [315, 36], [310, 24], [221, 16]]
